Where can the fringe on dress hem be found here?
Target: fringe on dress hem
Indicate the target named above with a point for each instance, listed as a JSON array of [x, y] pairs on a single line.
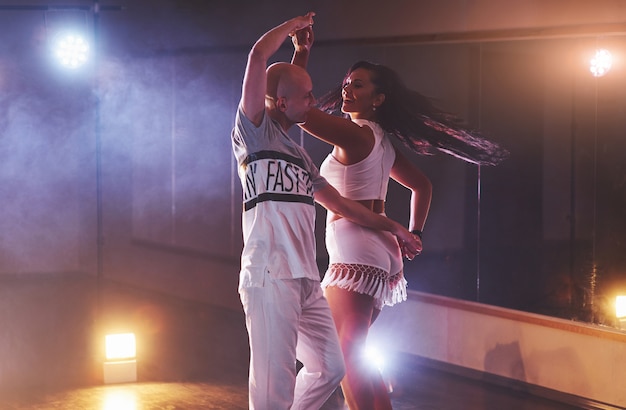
[[386, 291]]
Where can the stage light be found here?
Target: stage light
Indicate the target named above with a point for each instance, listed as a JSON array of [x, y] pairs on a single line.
[[600, 63], [375, 358], [120, 346], [120, 365], [71, 51]]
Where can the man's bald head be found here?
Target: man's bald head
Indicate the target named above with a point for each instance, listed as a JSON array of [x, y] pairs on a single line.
[[289, 94], [284, 78]]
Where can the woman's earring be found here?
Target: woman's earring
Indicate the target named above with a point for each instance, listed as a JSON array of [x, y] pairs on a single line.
[[373, 108]]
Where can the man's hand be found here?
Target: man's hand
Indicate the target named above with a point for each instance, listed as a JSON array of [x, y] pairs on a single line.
[[410, 244]]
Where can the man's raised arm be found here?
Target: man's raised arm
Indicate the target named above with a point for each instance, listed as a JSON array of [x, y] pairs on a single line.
[[254, 81]]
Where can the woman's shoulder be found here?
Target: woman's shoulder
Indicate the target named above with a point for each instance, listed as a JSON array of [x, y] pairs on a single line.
[[373, 125], [362, 122]]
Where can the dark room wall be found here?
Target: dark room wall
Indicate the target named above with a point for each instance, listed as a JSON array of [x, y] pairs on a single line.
[[123, 172]]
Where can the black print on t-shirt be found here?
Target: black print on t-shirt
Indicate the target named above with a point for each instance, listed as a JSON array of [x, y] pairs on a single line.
[[275, 176]]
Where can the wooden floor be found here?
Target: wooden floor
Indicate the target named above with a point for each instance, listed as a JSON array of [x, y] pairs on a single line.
[[418, 389], [192, 356]]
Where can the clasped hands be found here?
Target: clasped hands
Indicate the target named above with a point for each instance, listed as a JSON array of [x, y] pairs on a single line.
[[302, 38], [410, 245]]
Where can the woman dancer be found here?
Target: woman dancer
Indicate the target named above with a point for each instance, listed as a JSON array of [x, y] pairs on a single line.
[[365, 269]]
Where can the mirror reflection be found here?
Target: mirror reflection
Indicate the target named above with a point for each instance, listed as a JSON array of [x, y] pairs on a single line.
[[544, 231]]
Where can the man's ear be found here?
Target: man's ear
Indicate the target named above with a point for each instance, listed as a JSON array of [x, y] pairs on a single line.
[[281, 104]]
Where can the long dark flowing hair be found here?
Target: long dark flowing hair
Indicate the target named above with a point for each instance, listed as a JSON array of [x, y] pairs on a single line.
[[413, 119]]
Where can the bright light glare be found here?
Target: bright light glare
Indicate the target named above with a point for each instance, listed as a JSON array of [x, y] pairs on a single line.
[[120, 400], [120, 346], [600, 63], [373, 356], [72, 51], [620, 306]]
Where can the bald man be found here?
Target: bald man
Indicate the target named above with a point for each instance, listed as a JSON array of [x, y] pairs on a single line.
[[287, 317]]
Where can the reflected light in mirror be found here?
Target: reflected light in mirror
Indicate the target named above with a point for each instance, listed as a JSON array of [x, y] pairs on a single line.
[[600, 63], [620, 307]]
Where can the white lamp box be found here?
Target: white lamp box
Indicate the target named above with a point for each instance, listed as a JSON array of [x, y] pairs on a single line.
[[124, 371]]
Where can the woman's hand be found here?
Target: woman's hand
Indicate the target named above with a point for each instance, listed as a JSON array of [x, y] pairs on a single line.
[[303, 39]]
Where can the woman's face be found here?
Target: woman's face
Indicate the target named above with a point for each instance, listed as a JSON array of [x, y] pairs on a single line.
[[359, 95]]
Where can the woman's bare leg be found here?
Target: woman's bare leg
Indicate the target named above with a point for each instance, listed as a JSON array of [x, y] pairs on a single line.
[[353, 314], [381, 393]]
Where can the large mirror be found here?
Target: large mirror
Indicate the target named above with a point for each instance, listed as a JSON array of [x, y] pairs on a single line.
[[544, 231]]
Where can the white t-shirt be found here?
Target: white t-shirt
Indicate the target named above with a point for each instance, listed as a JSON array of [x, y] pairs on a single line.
[[278, 179]]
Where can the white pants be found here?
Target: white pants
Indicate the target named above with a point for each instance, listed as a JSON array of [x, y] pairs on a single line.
[[288, 320]]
